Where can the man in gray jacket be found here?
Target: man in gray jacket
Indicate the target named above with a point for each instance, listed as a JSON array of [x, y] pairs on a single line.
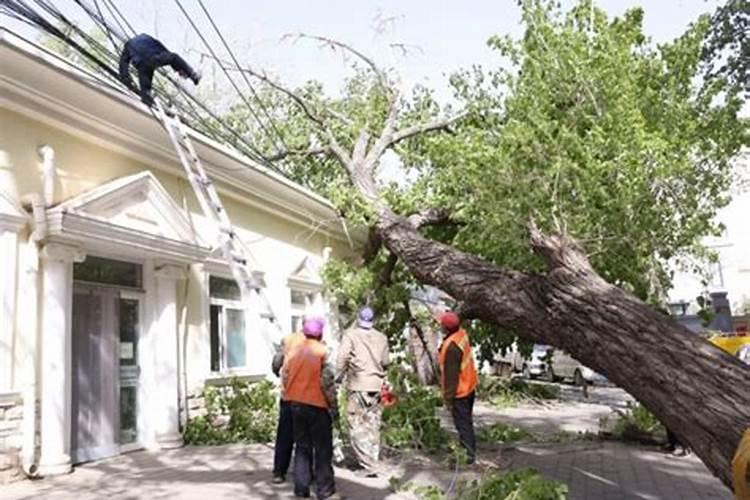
[[362, 358]]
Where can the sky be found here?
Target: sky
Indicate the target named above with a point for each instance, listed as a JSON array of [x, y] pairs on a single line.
[[441, 35]]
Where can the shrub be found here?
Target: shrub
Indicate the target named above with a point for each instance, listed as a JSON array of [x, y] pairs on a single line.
[[239, 412], [413, 422], [636, 423], [504, 392], [502, 432], [515, 485]]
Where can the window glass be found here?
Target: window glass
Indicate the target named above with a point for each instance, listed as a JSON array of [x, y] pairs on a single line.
[[222, 288], [108, 271], [298, 298], [235, 328]]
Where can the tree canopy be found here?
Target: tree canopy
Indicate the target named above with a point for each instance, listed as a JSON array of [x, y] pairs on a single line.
[[585, 126]]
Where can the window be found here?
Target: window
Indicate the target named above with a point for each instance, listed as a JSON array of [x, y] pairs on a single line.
[[678, 308], [302, 303], [227, 325], [108, 271], [716, 274]]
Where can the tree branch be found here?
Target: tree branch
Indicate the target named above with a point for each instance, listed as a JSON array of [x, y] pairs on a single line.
[[335, 44], [422, 128], [429, 217], [300, 152], [385, 275]]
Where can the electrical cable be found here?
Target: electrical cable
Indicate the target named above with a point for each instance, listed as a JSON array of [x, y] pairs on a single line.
[[226, 73], [244, 76]]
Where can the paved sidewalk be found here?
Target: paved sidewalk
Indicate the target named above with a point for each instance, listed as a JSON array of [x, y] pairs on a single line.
[[615, 471], [594, 471]]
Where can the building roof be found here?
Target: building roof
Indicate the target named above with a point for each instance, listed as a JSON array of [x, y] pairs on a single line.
[[36, 82]]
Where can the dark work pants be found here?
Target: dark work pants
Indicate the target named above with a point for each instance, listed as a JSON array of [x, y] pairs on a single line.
[[282, 451], [146, 72], [313, 433], [463, 419]]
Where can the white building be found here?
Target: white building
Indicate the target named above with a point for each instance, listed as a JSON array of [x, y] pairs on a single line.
[[112, 306], [730, 274]]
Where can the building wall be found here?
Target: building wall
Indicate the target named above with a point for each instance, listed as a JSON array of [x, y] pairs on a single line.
[[278, 244], [731, 273]]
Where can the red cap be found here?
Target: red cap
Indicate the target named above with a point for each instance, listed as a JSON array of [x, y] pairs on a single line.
[[450, 321]]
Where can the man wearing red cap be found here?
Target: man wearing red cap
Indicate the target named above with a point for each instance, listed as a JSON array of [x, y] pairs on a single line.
[[458, 380]]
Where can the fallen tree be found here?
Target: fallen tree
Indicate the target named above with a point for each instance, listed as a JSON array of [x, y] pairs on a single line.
[[619, 149]]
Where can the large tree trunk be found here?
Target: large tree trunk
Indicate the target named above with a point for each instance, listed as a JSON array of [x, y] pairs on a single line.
[[700, 392]]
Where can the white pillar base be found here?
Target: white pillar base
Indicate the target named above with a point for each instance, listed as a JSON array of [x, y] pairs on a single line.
[[55, 466], [169, 441]]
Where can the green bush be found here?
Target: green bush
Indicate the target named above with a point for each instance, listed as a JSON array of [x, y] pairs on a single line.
[[240, 412], [413, 422], [502, 432], [515, 485], [503, 392], [636, 423]]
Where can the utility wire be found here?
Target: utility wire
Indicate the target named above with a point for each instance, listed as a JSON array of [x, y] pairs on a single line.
[[244, 76], [103, 59], [229, 77]]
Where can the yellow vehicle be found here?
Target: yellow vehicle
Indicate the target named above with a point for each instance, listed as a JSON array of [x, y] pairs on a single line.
[[730, 342]]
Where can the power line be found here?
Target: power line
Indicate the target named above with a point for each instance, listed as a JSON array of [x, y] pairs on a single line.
[[244, 76], [229, 77], [103, 59]]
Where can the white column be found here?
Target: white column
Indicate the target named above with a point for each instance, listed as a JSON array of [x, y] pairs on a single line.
[[8, 252], [165, 356], [56, 348]]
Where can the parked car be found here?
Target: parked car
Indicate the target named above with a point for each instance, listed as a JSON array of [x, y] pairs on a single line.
[[547, 363]]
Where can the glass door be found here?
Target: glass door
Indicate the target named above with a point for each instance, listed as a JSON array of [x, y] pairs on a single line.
[[129, 316]]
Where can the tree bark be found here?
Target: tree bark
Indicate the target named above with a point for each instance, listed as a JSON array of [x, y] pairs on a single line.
[[697, 390]]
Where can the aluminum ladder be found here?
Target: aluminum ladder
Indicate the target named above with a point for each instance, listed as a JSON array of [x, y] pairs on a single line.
[[234, 251]]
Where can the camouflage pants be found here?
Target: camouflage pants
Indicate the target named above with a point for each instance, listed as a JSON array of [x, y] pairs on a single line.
[[364, 415]]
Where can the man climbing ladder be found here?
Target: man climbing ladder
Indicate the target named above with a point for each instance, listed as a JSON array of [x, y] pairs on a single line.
[[147, 53]]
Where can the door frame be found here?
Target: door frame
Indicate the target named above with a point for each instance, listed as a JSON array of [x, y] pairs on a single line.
[[116, 292]]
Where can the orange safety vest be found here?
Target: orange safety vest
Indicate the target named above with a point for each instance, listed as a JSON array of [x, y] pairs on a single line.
[[467, 376], [303, 364], [291, 341]]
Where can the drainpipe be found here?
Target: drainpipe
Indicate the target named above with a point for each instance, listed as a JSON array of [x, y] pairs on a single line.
[[29, 305], [49, 173]]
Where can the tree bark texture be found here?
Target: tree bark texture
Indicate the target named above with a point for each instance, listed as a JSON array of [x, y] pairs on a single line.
[[700, 392]]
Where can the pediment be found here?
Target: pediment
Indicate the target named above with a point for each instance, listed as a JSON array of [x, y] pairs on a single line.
[[306, 273], [137, 202], [135, 211]]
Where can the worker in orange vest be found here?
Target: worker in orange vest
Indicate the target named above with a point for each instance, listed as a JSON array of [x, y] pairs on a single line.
[[458, 380], [282, 450], [308, 382]]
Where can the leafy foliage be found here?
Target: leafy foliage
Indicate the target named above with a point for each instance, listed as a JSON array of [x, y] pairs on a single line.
[[637, 423], [586, 127], [505, 392], [726, 52], [413, 424], [524, 484], [500, 432], [241, 412], [595, 132]]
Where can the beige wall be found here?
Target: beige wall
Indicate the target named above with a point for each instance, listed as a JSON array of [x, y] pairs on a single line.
[[279, 245]]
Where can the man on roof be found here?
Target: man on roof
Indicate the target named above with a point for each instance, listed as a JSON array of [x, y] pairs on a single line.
[[147, 54]]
